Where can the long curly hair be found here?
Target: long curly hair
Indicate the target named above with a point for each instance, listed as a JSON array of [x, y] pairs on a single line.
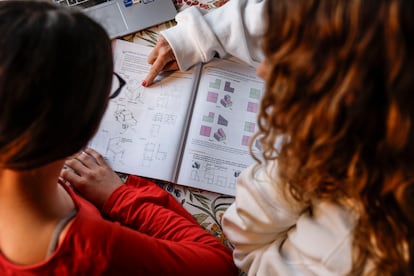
[[340, 95]]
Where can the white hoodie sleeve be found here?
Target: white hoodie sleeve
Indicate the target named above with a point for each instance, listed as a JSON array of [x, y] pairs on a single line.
[[235, 28], [260, 216], [273, 236]]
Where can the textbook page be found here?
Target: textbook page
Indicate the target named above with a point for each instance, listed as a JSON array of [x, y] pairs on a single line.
[[222, 124], [143, 127]]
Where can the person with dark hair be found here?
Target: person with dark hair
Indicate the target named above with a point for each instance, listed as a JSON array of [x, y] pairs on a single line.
[[56, 72], [332, 192]]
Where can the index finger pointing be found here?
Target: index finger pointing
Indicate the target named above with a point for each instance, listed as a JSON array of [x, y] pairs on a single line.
[[153, 55], [156, 68]]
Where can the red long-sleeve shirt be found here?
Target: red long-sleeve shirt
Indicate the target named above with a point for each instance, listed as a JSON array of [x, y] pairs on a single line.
[[145, 232]]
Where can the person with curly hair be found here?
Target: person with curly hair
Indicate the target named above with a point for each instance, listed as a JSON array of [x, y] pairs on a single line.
[[332, 192]]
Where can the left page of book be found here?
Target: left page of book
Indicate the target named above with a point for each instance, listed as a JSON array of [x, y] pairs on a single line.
[[143, 127]]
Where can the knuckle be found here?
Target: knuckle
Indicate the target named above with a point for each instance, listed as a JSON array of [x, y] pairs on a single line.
[[65, 174], [92, 176], [165, 55], [82, 182], [69, 162]]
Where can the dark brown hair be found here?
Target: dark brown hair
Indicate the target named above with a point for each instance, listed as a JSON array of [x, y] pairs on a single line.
[[340, 80], [55, 76]]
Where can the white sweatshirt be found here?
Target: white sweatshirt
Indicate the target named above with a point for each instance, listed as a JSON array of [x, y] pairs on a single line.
[[273, 236], [235, 28]]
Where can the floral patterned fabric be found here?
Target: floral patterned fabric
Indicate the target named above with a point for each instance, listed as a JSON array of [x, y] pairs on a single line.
[[206, 207]]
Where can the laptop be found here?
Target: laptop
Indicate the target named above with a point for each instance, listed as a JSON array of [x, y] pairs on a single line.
[[122, 17]]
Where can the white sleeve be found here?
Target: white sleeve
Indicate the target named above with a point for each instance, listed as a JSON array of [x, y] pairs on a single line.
[[235, 28], [260, 216], [273, 236]]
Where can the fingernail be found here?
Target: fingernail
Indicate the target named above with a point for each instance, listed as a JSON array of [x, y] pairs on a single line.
[[144, 83]]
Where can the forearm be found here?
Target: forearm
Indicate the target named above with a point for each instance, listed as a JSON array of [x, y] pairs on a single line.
[[139, 199], [161, 229]]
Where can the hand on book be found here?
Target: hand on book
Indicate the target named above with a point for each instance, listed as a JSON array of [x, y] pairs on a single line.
[[162, 59], [88, 172]]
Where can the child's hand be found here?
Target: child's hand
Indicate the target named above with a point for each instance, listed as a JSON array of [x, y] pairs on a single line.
[[162, 59], [91, 176]]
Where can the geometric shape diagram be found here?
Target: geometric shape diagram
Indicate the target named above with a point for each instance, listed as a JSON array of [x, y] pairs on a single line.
[[245, 140], [226, 101], [162, 101], [114, 149], [237, 173], [222, 121], [167, 119], [195, 175], [216, 84], [249, 126], [148, 155], [205, 131], [219, 135], [212, 97], [228, 88], [252, 107], [255, 93], [160, 155], [155, 130], [134, 92], [124, 117], [209, 118], [209, 174], [232, 185], [196, 165], [221, 181]]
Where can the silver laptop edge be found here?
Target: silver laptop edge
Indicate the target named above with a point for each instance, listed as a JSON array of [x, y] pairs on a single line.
[[119, 19]]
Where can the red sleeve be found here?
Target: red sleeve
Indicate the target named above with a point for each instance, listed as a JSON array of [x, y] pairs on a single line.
[[164, 234]]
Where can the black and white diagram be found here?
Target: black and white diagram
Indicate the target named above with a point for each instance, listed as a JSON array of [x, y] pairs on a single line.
[[116, 148], [213, 174], [134, 92], [124, 117], [152, 152]]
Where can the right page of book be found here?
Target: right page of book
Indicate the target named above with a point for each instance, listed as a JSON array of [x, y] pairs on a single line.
[[223, 122]]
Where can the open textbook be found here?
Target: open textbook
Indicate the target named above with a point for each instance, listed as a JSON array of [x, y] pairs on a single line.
[[191, 128]]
